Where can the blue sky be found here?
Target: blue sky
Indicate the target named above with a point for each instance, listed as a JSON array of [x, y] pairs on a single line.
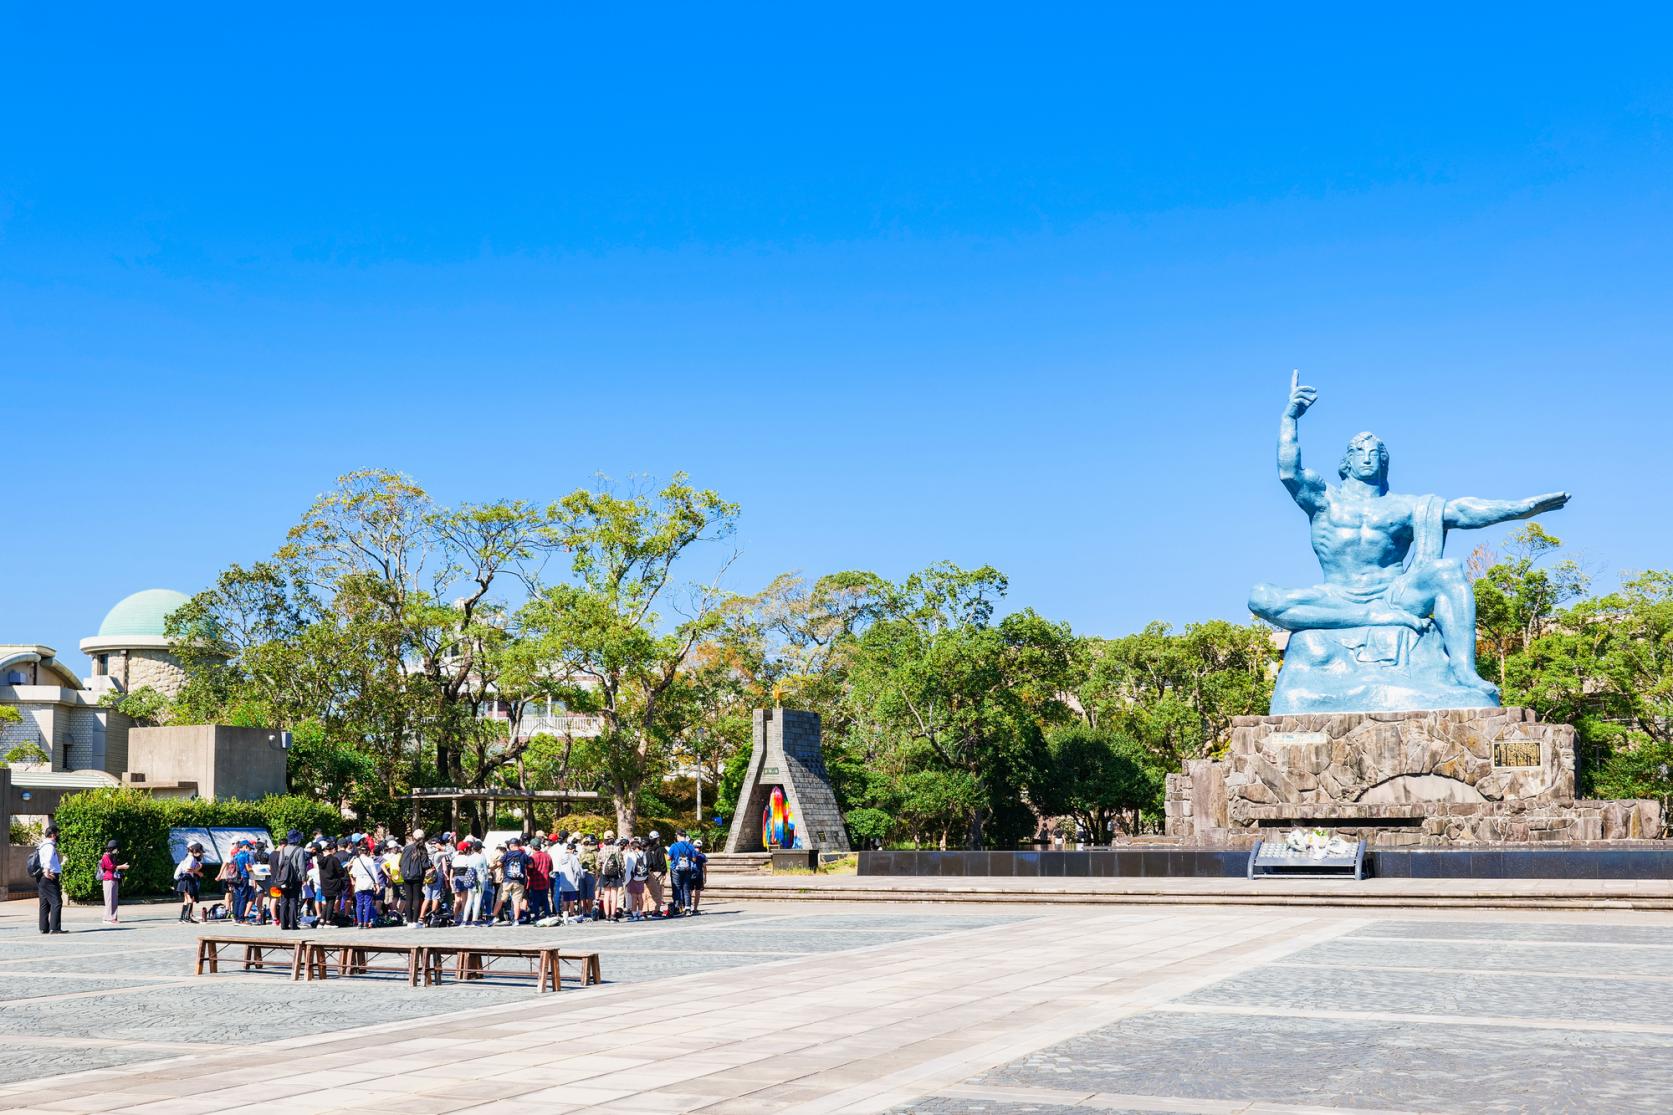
[[981, 284]]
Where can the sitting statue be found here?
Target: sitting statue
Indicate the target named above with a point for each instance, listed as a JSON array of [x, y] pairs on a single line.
[[1393, 626]]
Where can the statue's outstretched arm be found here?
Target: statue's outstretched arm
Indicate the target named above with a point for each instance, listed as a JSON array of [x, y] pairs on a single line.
[[1305, 486], [1472, 514]]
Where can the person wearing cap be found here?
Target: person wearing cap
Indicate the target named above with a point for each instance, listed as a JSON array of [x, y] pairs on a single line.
[[435, 881], [188, 877], [699, 872], [289, 872], [110, 874], [588, 856], [415, 864], [679, 871], [468, 869], [612, 873], [238, 885], [656, 872], [514, 869], [333, 878], [540, 881], [566, 883]]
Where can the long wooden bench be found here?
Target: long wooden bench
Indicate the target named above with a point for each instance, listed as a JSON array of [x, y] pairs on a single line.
[[256, 950], [472, 962], [351, 959]]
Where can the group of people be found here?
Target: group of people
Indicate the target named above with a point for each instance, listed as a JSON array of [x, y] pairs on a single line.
[[445, 880]]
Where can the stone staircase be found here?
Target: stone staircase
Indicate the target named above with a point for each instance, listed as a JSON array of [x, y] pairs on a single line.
[[739, 863]]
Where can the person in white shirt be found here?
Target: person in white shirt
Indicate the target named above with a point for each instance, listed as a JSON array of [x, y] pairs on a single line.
[[364, 872], [470, 870], [49, 885], [567, 866], [188, 877]]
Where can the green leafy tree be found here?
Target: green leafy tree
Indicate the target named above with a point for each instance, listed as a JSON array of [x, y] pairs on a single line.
[[1518, 599], [1176, 694], [952, 704], [601, 635], [1102, 779]]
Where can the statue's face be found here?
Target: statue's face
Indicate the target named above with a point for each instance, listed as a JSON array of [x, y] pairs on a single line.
[[1366, 459]]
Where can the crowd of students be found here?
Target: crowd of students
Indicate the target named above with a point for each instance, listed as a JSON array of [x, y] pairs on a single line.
[[365, 881]]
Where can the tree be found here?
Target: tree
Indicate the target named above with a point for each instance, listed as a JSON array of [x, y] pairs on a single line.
[[1176, 694], [1100, 778], [953, 704], [599, 633], [1518, 600]]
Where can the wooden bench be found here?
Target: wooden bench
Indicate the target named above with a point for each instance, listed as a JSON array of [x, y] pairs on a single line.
[[255, 952], [590, 971], [351, 959], [476, 962]]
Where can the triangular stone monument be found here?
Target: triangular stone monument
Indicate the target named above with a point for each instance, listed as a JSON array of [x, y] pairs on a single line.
[[786, 753]]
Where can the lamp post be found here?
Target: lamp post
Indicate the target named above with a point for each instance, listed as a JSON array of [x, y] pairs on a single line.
[[699, 734]]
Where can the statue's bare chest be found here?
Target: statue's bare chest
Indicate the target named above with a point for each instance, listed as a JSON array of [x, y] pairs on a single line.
[[1378, 524]]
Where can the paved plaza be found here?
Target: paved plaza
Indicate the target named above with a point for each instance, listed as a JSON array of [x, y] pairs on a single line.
[[886, 1007]]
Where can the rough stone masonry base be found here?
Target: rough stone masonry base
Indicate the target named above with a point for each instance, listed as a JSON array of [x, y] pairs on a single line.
[[1401, 779]]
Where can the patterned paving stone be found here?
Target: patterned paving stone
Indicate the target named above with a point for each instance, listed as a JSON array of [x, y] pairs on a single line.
[[1513, 931], [1301, 1061], [1523, 956], [1516, 996], [37, 973], [964, 1105]]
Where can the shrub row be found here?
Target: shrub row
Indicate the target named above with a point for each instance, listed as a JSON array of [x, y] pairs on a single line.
[[139, 823]]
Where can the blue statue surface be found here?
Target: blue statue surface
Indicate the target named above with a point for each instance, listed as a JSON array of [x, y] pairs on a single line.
[[1392, 628]]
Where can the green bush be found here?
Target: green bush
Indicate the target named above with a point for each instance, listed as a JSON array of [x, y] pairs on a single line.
[[139, 823]]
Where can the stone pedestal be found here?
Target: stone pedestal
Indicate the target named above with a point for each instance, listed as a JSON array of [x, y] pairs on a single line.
[[1431, 778]]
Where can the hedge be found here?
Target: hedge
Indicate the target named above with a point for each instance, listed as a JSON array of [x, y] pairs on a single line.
[[139, 823]]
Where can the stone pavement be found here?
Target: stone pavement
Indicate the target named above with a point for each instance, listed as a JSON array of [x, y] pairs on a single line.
[[908, 1008]]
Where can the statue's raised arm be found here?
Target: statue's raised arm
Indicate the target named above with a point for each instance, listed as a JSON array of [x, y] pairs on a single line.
[[1472, 514], [1305, 486]]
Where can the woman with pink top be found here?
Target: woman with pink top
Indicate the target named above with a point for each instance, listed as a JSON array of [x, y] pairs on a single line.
[[110, 873]]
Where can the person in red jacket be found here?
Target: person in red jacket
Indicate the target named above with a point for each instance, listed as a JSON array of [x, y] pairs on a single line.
[[110, 874]]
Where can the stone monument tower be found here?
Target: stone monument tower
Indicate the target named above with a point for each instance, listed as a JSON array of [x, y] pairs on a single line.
[[786, 754]]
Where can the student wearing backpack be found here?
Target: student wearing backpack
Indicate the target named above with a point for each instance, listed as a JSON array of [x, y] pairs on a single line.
[[612, 867], [656, 871], [637, 873], [290, 871], [110, 874], [188, 876], [47, 866], [699, 872], [469, 867], [679, 871], [415, 862], [514, 867]]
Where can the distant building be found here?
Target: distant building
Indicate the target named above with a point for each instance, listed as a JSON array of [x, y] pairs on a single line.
[[86, 743]]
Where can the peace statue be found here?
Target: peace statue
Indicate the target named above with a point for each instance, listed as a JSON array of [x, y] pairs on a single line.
[[1392, 628]]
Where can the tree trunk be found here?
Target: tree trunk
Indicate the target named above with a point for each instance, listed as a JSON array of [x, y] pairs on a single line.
[[627, 812]]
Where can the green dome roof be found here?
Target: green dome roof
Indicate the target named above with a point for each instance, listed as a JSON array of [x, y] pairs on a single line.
[[142, 613]]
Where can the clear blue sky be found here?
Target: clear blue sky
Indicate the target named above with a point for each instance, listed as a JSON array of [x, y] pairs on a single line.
[[1001, 284]]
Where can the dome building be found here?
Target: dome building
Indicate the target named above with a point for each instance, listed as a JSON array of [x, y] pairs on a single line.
[[132, 649]]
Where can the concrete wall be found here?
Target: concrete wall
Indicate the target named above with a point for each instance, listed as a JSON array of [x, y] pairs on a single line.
[[224, 762]]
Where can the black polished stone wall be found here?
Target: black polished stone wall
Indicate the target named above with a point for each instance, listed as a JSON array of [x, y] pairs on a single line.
[[1203, 863]]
